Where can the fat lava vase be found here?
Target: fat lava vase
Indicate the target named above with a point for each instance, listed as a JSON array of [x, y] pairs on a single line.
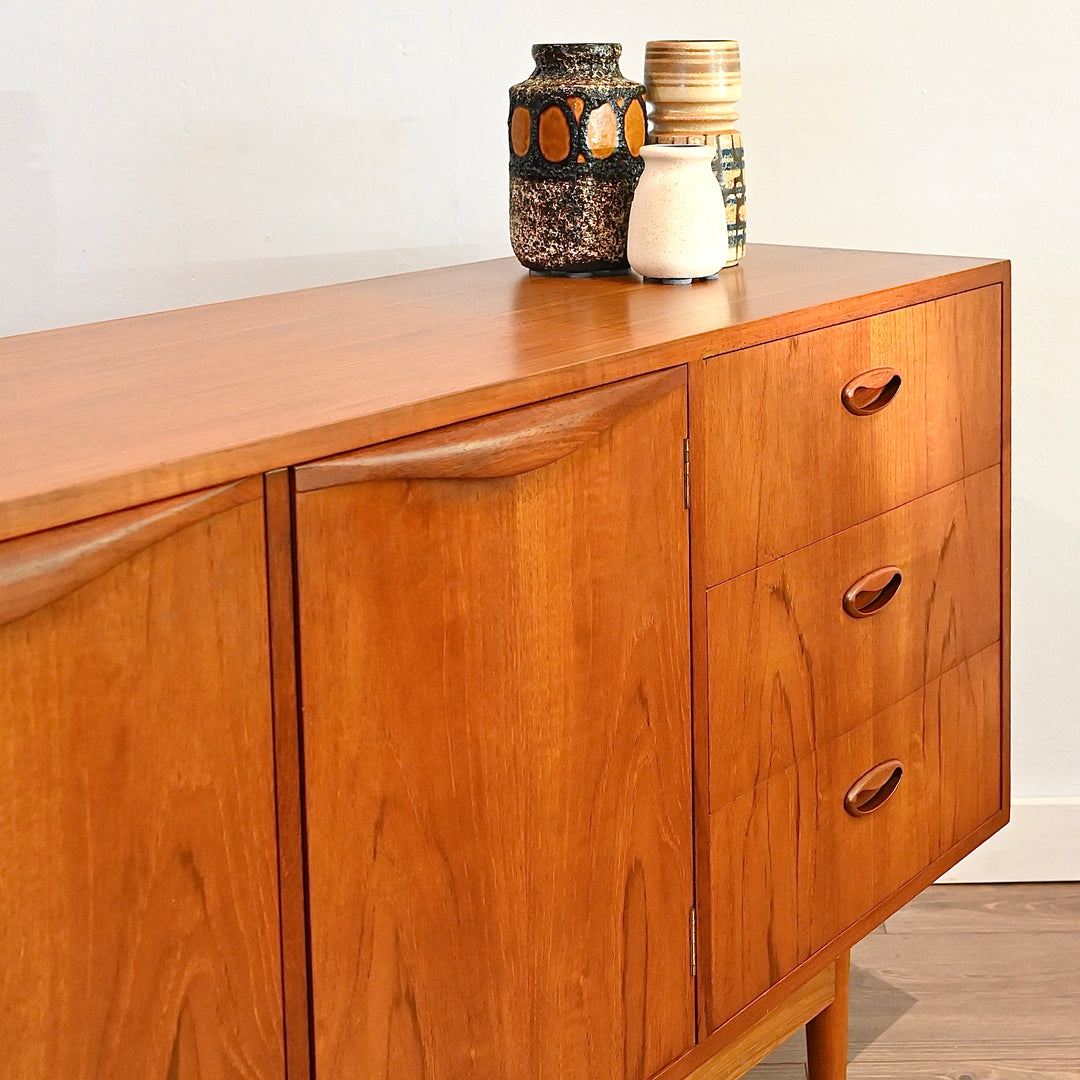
[[576, 130]]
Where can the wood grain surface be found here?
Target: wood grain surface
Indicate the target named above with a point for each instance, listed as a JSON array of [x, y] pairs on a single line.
[[506, 444], [497, 750], [288, 773], [791, 869], [748, 1049], [98, 418], [1006, 531], [782, 463], [827, 1032], [36, 570], [139, 930], [1026, 908], [941, 994], [970, 1066], [790, 669], [962, 709]]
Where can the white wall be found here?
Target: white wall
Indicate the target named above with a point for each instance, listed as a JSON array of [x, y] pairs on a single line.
[[156, 155]]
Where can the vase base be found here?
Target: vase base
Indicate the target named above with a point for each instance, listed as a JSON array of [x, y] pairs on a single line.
[[680, 280], [580, 273]]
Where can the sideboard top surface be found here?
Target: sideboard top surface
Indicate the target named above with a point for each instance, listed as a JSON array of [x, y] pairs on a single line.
[[98, 417]]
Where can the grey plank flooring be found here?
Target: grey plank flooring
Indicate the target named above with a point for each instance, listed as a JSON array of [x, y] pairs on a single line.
[[968, 982], [992, 909]]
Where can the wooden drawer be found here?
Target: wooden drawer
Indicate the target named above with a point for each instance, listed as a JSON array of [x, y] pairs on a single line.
[[781, 462], [794, 869], [789, 668]]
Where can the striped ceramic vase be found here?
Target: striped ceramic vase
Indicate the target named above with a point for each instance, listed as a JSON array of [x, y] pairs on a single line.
[[693, 89]]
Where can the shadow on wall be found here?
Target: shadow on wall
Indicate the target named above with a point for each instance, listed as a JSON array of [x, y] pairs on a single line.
[[107, 293], [1045, 673], [28, 228], [208, 282]]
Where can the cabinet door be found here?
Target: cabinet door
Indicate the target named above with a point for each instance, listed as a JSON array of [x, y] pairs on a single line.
[[138, 870], [495, 683]]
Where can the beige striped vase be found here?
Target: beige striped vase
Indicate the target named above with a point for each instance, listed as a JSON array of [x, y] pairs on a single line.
[[693, 88]]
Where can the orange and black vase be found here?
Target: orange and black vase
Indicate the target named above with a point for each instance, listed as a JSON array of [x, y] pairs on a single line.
[[576, 131]]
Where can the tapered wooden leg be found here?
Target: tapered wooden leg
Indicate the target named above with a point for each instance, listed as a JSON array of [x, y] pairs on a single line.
[[826, 1034]]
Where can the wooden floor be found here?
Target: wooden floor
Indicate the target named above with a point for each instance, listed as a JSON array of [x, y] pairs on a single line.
[[968, 982]]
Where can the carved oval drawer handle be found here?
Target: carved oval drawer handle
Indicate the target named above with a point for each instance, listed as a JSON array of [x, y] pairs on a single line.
[[871, 391], [872, 592], [873, 789]]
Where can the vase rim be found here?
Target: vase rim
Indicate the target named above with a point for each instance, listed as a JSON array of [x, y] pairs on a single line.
[[576, 45], [577, 56], [701, 43]]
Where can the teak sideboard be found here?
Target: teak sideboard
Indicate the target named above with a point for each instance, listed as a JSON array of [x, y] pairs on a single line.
[[469, 675]]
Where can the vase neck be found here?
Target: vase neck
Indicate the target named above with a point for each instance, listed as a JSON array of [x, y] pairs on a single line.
[[579, 60], [661, 157]]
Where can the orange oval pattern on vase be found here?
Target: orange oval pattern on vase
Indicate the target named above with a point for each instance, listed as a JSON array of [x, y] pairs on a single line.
[[520, 124], [603, 131], [577, 106], [634, 127], [554, 134]]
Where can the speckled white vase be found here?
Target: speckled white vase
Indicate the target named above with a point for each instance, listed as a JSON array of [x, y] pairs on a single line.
[[678, 221]]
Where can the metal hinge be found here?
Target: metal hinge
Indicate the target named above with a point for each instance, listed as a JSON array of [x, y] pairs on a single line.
[[693, 941], [686, 473]]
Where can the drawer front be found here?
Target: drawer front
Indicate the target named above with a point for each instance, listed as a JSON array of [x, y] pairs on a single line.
[[782, 462], [793, 868], [789, 667]]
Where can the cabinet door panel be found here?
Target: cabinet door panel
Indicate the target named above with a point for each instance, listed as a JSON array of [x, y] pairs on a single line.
[[139, 928], [496, 737]]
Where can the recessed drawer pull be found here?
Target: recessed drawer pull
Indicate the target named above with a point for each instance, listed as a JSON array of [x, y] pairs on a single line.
[[872, 592], [873, 789], [871, 391]]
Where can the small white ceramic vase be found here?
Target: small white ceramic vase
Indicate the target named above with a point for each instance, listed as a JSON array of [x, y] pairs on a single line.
[[678, 222]]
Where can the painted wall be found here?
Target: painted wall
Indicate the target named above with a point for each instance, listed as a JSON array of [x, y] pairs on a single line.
[[159, 155]]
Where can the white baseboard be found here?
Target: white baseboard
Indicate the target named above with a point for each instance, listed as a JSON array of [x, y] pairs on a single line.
[[1040, 843]]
